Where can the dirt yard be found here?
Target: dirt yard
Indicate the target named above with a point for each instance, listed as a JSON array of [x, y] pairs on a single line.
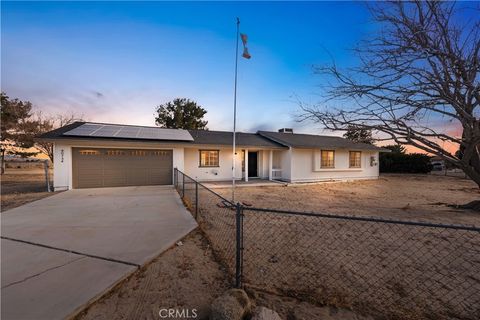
[[409, 197], [188, 277], [392, 271], [22, 185]]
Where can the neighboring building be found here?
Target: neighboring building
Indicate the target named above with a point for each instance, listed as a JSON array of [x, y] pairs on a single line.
[[90, 155], [438, 164]]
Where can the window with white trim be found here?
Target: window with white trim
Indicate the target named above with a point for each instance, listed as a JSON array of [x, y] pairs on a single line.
[[209, 158], [327, 159], [355, 159]]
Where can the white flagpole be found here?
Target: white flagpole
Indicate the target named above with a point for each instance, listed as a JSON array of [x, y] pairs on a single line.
[[235, 114]]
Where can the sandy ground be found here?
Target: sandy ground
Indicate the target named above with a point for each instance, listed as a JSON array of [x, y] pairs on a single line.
[[21, 186], [392, 271], [409, 197], [188, 277]]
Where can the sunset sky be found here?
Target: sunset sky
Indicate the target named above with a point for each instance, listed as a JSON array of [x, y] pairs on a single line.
[[114, 62]]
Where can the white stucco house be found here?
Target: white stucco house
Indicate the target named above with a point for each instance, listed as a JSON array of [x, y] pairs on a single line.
[[91, 155]]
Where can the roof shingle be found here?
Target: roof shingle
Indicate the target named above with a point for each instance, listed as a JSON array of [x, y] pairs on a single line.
[[311, 141], [225, 138]]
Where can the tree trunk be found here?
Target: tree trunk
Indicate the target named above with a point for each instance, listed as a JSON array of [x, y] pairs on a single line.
[[50, 155], [472, 174]]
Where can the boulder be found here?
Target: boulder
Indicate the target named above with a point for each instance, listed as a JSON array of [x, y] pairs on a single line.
[[262, 313], [234, 304]]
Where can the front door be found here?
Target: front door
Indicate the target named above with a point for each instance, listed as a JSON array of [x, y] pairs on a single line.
[[253, 164]]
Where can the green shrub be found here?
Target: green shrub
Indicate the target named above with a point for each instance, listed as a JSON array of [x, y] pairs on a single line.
[[405, 163]]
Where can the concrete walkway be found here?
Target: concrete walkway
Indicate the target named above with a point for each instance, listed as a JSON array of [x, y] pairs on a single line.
[[62, 252]]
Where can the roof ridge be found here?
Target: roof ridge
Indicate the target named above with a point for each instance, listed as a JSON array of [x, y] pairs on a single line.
[[220, 131], [298, 134]]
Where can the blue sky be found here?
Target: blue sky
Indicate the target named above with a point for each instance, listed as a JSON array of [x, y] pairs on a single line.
[[114, 62]]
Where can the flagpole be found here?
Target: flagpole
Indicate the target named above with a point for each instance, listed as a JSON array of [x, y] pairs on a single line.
[[235, 113]]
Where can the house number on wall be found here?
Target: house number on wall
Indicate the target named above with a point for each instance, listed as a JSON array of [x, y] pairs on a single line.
[[61, 153]]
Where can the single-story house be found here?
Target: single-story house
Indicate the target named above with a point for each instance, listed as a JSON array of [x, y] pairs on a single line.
[[91, 155]]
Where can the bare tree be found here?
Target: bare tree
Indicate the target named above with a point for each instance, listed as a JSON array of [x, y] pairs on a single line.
[[49, 123], [422, 68]]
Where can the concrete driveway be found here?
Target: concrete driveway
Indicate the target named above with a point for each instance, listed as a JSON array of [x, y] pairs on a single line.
[[62, 252]]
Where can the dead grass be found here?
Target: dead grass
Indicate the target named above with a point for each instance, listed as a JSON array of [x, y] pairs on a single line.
[[409, 197], [390, 270], [20, 186]]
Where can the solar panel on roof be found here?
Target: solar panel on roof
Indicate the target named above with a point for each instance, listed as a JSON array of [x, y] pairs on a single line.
[[107, 131], [129, 132], [85, 129]]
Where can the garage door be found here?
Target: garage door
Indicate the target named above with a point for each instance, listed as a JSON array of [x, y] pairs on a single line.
[[95, 168]]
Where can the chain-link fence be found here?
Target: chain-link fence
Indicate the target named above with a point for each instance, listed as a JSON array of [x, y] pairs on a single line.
[[215, 216], [389, 269], [397, 269], [450, 173]]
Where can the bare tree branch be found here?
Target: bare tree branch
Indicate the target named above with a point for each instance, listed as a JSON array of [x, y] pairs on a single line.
[[423, 65], [47, 123]]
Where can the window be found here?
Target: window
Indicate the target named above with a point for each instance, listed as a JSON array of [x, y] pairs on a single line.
[[355, 159], [160, 153], [138, 153], [115, 152], [209, 158], [90, 152], [327, 159]]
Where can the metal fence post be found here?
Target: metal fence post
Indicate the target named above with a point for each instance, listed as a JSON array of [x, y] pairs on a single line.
[[175, 178], [47, 175], [183, 185], [239, 246], [196, 199]]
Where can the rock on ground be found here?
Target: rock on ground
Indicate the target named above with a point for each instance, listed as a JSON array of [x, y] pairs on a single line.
[[262, 313], [234, 304]]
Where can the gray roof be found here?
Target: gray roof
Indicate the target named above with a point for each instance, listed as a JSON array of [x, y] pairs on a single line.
[[99, 131], [225, 138], [86, 130], [311, 141]]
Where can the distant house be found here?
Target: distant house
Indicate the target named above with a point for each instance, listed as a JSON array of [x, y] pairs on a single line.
[[90, 155], [438, 164]]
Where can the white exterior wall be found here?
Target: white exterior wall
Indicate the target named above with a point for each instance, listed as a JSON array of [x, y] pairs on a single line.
[[286, 164], [62, 167], [304, 169], [263, 168], [62, 170], [297, 165], [222, 172]]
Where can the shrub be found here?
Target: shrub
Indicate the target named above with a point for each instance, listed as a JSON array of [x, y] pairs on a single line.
[[405, 163]]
